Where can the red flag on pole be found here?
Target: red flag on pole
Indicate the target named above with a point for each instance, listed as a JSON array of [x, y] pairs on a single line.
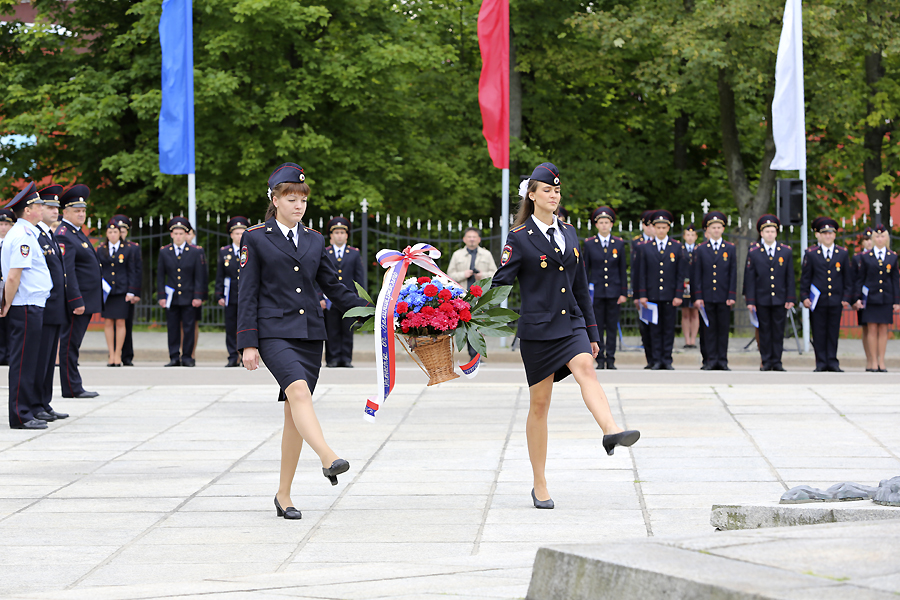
[[493, 87]]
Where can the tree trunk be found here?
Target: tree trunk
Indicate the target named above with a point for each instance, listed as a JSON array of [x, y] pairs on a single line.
[[873, 141], [750, 205]]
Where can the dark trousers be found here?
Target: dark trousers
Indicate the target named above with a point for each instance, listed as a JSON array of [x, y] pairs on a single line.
[[127, 345], [180, 321], [4, 342], [714, 339], [606, 312], [70, 339], [646, 341], [339, 342], [662, 335], [231, 331], [47, 364], [826, 327], [771, 334], [25, 323]]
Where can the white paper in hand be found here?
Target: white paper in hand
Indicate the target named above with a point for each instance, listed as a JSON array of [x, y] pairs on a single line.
[[650, 313], [227, 291], [169, 292], [754, 318], [814, 294], [865, 295], [703, 315], [106, 288]]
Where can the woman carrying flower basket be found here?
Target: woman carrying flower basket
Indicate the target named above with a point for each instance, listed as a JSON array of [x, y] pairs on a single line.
[[557, 329]]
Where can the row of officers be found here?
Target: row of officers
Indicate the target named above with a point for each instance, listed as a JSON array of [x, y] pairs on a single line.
[[702, 279], [54, 280]]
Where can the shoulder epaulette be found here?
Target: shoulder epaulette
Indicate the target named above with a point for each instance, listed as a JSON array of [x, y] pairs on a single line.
[[615, 237], [811, 248], [62, 230], [785, 246], [637, 237], [224, 247], [519, 228], [256, 227], [311, 229], [197, 247], [839, 247], [353, 248]]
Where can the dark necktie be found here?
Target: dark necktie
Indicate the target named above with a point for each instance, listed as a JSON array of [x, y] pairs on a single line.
[[551, 231], [771, 253], [605, 242], [291, 238]]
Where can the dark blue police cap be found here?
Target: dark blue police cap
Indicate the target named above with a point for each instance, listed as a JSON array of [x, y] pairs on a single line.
[[868, 233], [76, 196], [238, 222], [286, 173], [690, 227], [26, 197], [880, 228], [663, 216], [180, 222], [122, 221], [711, 217], [50, 194], [647, 217], [7, 215], [823, 224], [547, 173], [767, 221], [603, 211], [338, 223]]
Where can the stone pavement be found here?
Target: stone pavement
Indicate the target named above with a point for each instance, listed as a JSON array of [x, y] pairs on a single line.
[[163, 485]]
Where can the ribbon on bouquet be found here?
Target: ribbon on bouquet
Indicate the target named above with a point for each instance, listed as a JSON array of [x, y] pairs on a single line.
[[397, 264]]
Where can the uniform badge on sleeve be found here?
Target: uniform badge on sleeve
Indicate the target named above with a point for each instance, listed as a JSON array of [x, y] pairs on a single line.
[[244, 255], [504, 257], [62, 249], [25, 249]]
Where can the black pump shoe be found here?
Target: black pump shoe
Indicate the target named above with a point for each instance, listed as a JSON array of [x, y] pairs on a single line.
[[541, 503], [625, 438], [290, 513], [337, 467]]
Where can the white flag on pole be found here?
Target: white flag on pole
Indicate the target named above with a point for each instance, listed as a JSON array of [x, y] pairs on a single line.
[[788, 119]]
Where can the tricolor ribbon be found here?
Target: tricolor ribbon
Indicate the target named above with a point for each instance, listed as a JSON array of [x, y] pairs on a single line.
[[397, 264]]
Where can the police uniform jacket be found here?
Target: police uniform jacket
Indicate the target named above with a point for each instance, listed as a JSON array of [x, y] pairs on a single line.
[[277, 292], [349, 268], [82, 269], [770, 281], [114, 268], [689, 257], [56, 310], [135, 263], [204, 272], [637, 260], [555, 297], [880, 276], [714, 274], [184, 274], [606, 266], [662, 274], [228, 265], [832, 277]]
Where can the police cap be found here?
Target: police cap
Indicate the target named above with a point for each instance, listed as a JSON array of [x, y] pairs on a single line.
[[76, 196], [50, 194], [546, 173], [823, 224], [713, 216], [286, 173], [26, 197], [180, 222], [663, 216], [603, 212], [767, 221], [647, 217], [122, 221], [238, 222], [7, 215], [338, 223]]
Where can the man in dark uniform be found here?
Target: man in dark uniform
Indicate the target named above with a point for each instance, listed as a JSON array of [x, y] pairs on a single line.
[[83, 289], [7, 219], [228, 270], [663, 271], [56, 310], [27, 285], [825, 271], [637, 244], [604, 258], [771, 290], [180, 291], [135, 262], [348, 262], [714, 288]]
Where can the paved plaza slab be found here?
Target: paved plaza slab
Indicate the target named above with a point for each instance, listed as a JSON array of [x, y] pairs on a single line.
[[162, 486]]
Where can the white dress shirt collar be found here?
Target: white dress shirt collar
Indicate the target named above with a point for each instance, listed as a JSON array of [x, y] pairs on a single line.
[[44, 227], [340, 249], [604, 240], [179, 249], [661, 242], [770, 249], [284, 230], [557, 234], [827, 250]]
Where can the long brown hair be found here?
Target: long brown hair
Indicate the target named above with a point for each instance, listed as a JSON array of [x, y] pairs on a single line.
[[526, 204], [283, 189]]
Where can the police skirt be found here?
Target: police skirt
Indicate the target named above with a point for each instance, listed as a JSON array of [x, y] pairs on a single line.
[[543, 358], [115, 307], [291, 360], [876, 313]]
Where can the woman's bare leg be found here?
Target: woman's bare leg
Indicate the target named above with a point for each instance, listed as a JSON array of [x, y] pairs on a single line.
[[872, 351], [865, 342], [109, 332], [120, 340], [307, 423], [291, 444], [592, 393], [536, 433], [882, 343]]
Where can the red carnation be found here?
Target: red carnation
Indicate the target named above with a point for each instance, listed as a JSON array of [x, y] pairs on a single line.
[[447, 307], [404, 328], [431, 290], [465, 316], [427, 310], [402, 307], [476, 291], [423, 280], [445, 294]]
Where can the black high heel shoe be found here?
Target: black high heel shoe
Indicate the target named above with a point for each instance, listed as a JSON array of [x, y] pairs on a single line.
[[337, 467], [625, 438], [289, 513], [548, 503]]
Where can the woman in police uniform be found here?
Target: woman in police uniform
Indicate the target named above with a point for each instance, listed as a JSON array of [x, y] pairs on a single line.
[[557, 329], [878, 273], [280, 319], [111, 255]]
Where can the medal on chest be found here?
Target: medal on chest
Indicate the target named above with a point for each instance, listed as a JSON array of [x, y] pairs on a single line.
[[543, 261], [888, 267], [672, 256], [780, 260], [121, 258], [837, 266], [615, 253], [725, 255]]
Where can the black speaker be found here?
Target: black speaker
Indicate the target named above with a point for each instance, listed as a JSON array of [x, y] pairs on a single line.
[[789, 200]]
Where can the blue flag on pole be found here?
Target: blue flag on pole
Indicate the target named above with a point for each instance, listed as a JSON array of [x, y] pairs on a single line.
[[176, 117]]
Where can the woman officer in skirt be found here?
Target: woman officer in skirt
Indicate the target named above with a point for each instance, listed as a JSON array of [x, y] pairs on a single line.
[[557, 329], [280, 319], [113, 259], [877, 271]]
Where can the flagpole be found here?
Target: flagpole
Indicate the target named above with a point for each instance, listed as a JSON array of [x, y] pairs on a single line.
[[804, 244], [192, 200], [504, 211]]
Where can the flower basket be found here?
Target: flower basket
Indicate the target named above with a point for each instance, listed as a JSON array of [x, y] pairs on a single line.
[[434, 355]]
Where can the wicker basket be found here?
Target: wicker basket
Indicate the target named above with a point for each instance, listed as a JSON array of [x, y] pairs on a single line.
[[435, 357]]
